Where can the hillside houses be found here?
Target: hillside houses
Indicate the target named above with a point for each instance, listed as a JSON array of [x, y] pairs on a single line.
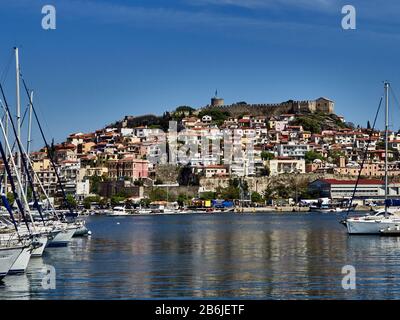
[[233, 146]]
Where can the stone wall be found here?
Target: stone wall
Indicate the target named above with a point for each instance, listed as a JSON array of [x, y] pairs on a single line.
[[190, 191], [260, 184], [269, 110]]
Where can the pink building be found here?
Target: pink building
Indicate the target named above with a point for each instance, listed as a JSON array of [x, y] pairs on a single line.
[[129, 167]]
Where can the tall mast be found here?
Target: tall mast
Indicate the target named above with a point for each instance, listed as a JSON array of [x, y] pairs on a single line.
[[18, 106], [386, 141], [18, 178], [6, 153], [28, 144], [29, 141]]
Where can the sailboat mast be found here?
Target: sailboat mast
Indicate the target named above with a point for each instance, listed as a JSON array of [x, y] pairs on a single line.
[[18, 106], [6, 153], [386, 142], [29, 141]]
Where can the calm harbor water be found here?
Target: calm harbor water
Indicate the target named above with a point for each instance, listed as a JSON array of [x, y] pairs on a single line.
[[255, 256]]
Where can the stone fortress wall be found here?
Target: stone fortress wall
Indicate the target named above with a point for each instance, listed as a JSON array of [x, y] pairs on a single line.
[[321, 105]]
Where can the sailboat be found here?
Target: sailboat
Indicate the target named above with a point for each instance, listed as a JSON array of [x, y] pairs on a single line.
[[386, 220], [9, 253], [32, 233]]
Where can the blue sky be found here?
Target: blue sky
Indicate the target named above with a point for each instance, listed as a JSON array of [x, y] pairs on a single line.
[[108, 59]]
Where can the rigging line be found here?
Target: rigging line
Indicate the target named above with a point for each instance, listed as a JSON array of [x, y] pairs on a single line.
[[398, 104], [394, 96], [365, 157], [23, 158], [6, 165], [24, 164], [6, 68], [22, 122], [8, 170], [48, 149], [29, 161]]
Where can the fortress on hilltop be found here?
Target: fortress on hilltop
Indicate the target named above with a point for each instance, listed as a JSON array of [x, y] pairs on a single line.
[[320, 105]]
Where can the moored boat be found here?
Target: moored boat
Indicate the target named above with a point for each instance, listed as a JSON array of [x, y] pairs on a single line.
[[384, 219], [8, 255], [119, 211]]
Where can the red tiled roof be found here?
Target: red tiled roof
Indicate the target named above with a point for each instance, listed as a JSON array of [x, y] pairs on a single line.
[[215, 167], [352, 182]]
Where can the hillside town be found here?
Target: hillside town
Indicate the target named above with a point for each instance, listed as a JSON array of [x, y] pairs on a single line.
[[251, 155]]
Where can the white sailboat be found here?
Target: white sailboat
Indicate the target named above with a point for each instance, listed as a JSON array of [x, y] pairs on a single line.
[[21, 264], [8, 255], [385, 220]]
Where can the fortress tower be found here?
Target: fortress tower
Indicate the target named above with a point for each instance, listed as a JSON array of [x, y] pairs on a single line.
[[217, 102]]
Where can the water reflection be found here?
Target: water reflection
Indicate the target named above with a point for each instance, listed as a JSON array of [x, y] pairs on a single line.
[[263, 256]]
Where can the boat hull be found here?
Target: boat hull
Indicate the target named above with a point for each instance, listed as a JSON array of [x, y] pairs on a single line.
[[38, 252], [81, 231], [8, 256], [369, 226], [62, 239], [20, 265]]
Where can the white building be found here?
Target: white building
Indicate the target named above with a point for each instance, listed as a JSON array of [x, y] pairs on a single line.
[[286, 165], [82, 189], [343, 189], [292, 150]]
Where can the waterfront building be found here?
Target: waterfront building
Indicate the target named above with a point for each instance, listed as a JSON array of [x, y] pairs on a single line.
[[340, 189], [370, 169]]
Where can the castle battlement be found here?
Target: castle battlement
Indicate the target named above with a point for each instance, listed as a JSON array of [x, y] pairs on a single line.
[[321, 105]]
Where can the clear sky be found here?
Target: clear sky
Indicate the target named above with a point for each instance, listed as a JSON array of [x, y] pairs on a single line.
[[108, 59]]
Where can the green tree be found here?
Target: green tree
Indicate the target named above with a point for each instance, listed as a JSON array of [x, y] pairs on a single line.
[[29, 194], [158, 194], [10, 198], [256, 197], [218, 116], [89, 200], [311, 155], [95, 184], [145, 202], [116, 200], [269, 193], [185, 109], [229, 193], [208, 195], [282, 191], [139, 183], [103, 202], [312, 124], [71, 201], [334, 155], [265, 155], [182, 199]]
